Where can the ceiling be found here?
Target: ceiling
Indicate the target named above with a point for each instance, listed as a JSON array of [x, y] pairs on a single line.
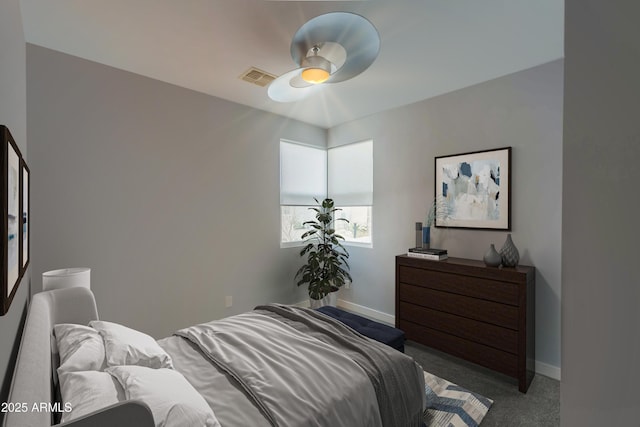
[[428, 47]]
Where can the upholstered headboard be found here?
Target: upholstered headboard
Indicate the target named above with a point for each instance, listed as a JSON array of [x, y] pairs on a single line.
[[33, 376]]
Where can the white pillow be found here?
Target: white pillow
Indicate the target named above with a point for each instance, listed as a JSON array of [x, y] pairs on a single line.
[[172, 399], [126, 346], [88, 391], [81, 348]]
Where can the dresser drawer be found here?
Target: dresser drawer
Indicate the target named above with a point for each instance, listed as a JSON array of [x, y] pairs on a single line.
[[480, 332], [500, 361], [493, 290], [460, 305]]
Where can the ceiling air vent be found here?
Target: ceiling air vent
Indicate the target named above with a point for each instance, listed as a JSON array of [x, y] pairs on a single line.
[[257, 77]]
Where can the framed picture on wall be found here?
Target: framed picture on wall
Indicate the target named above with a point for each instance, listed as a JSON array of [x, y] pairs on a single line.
[[24, 217], [475, 189], [11, 236]]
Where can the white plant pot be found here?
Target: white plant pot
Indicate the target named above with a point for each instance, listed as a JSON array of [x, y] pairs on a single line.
[[329, 299]]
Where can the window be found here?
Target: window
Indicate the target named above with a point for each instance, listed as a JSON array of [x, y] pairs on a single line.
[[291, 220], [345, 173], [358, 230], [303, 176], [350, 185]]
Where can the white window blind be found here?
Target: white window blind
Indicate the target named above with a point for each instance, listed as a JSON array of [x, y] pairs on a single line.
[[303, 174], [350, 171]]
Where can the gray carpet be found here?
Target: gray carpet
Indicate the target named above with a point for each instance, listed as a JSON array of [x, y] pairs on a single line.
[[539, 407]]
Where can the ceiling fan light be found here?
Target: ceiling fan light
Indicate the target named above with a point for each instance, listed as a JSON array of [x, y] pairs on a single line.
[[315, 75], [316, 69]]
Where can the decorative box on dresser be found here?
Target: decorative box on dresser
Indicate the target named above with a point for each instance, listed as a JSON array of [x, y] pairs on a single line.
[[485, 315]]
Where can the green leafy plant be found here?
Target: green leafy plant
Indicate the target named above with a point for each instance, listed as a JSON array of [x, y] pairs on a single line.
[[326, 269]]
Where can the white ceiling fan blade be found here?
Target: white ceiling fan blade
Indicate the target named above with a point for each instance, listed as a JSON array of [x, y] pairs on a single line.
[[282, 89]]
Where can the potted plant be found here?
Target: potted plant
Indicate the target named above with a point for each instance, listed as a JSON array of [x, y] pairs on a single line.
[[326, 269]]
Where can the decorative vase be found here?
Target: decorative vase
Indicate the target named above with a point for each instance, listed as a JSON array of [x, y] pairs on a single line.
[[492, 258], [418, 234], [426, 237], [330, 299], [509, 253]]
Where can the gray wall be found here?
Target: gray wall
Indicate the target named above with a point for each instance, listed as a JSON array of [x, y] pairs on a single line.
[[522, 110], [163, 191], [600, 275], [169, 195], [13, 114]]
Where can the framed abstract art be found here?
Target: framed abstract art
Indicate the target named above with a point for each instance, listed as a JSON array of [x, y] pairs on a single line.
[[11, 236], [475, 189], [25, 216]]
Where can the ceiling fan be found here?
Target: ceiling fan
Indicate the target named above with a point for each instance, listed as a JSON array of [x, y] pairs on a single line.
[[329, 48]]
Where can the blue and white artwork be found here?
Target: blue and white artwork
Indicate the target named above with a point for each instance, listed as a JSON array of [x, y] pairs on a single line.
[[474, 189], [25, 216], [13, 235]]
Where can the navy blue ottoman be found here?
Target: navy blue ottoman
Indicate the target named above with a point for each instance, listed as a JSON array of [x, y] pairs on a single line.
[[388, 335]]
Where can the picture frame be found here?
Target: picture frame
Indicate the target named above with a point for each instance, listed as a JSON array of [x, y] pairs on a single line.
[[475, 190], [25, 217], [10, 158]]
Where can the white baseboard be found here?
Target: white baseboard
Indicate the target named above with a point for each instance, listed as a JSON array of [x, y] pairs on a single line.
[[367, 312], [541, 368], [358, 309], [547, 370]]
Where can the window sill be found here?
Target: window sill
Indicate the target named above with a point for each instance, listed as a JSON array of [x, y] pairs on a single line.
[[358, 244], [299, 244]]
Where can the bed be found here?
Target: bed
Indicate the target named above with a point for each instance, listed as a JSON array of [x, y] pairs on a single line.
[[274, 366]]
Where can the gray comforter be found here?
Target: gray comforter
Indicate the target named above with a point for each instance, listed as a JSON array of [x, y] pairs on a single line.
[[286, 366]]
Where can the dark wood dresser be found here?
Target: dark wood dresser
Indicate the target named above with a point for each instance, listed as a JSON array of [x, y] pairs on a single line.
[[482, 314]]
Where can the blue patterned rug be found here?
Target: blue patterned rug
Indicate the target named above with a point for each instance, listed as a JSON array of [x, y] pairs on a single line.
[[449, 405]]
